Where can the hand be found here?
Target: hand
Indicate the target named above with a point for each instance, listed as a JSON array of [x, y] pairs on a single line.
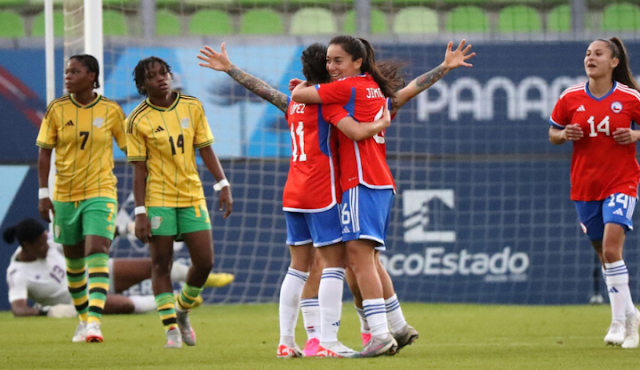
[[214, 60], [456, 58], [572, 132], [625, 136], [386, 115], [294, 82], [44, 206], [143, 228], [62, 311], [225, 201]]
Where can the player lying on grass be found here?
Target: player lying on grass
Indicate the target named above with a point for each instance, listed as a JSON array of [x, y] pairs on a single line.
[[37, 273]]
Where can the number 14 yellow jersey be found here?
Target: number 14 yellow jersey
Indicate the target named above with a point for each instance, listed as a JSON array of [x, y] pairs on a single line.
[[166, 138]]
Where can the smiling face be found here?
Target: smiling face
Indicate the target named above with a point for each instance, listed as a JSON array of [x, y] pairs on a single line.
[[77, 77], [598, 62], [340, 64], [157, 80]]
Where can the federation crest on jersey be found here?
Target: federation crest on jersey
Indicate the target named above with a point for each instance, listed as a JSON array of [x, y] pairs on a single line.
[[98, 122], [616, 107], [184, 123]]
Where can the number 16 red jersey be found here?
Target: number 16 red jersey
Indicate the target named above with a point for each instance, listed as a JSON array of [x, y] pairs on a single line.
[[600, 166]]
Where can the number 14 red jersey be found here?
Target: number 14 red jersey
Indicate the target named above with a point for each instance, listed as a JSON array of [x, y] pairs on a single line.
[[599, 165]]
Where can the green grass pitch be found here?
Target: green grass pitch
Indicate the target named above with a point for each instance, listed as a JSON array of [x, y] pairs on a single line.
[[246, 336]]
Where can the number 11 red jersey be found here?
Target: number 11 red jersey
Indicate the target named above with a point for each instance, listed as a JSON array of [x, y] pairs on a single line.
[[312, 182]]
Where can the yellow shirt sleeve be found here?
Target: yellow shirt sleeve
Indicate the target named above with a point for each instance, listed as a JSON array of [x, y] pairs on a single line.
[[136, 143], [203, 136], [48, 134], [118, 130]]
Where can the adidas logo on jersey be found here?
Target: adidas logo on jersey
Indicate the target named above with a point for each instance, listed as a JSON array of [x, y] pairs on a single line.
[[70, 123], [618, 212], [581, 109], [159, 129]]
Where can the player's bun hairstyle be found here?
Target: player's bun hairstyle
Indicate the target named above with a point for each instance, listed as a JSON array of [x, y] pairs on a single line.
[[92, 65], [622, 73], [388, 78], [28, 231], [141, 69], [314, 64]]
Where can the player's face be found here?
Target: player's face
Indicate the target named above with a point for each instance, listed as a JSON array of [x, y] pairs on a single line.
[[598, 61], [37, 248], [340, 64], [157, 81], [77, 77]]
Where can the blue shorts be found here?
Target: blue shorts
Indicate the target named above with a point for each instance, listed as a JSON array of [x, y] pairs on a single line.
[[617, 209], [365, 214], [322, 228]]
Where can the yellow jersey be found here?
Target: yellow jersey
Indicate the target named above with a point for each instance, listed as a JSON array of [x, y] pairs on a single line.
[[82, 136], [166, 138]]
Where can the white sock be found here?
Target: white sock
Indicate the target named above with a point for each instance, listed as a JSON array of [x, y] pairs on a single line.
[[311, 316], [290, 293], [143, 303], [376, 313], [330, 297], [179, 272], [364, 325], [394, 314], [618, 288]]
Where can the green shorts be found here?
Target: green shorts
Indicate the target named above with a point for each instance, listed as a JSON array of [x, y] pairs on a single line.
[[172, 221], [74, 220]]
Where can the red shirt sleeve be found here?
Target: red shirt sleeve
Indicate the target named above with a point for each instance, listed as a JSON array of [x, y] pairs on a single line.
[[338, 92], [635, 112], [333, 113], [559, 116]]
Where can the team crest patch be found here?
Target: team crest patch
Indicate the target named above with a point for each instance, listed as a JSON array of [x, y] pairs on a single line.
[[184, 123], [98, 122], [616, 107], [156, 221]]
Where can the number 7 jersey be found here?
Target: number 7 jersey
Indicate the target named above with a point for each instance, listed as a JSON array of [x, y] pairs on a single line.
[[599, 165]]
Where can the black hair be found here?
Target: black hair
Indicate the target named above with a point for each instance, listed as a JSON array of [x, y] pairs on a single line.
[[28, 231], [92, 65], [314, 64], [622, 73], [140, 72], [388, 78]]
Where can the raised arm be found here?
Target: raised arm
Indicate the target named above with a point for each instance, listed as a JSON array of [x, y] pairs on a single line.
[[220, 62], [452, 60]]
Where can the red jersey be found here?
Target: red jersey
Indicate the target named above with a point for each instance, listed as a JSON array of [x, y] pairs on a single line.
[[361, 162], [599, 165], [312, 182]]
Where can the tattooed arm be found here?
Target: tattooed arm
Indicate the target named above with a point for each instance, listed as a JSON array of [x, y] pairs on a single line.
[[452, 60], [259, 87], [220, 62]]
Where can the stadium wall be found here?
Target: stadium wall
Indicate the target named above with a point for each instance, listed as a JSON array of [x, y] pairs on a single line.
[[482, 211]]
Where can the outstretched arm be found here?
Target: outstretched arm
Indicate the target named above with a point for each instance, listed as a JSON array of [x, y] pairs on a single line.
[[220, 62], [452, 60]]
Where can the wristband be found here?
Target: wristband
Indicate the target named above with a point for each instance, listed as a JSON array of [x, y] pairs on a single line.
[[140, 210], [43, 193], [44, 310], [221, 185]]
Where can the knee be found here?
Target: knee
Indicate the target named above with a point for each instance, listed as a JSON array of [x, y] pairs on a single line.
[[611, 256], [162, 267], [203, 265]]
